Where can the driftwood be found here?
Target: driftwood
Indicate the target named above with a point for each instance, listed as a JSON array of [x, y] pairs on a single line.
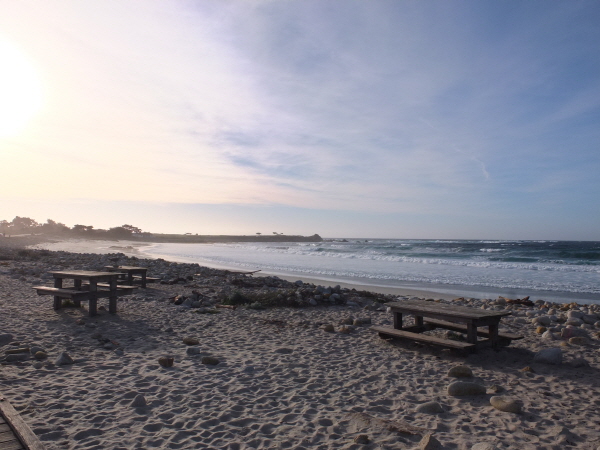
[[233, 307]]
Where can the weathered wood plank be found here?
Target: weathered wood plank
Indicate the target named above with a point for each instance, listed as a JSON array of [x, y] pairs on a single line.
[[462, 328], [21, 431], [419, 337], [61, 292]]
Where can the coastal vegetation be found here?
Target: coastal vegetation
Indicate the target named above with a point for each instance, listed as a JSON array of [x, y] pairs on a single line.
[[26, 225]]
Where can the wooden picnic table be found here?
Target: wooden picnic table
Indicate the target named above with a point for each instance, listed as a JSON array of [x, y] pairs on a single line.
[[432, 315], [107, 281], [130, 271]]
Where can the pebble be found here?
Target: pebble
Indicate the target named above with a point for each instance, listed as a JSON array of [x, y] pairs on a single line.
[[465, 388], [139, 401], [460, 372], [549, 356], [361, 439], [165, 361], [63, 359], [210, 360], [430, 408], [190, 341], [505, 404]]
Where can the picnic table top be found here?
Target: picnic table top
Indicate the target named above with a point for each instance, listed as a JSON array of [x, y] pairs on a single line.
[[425, 308], [81, 274], [127, 268]]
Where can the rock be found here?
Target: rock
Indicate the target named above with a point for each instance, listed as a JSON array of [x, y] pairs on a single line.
[[357, 322], [548, 335], [63, 359], [541, 330], [345, 330], [505, 404], [40, 355], [5, 338], [575, 314], [430, 408], [193, 350], [361, 439], [429, 443], [464, 388], [210, 360], [542, 320], [579, 362], [139, 401], [574, 322], [549, 356], [165, 361], [329, 328], [495, 389], [460, 372], [527, 369], [570, 331], [578, 340], [190, 341], [347, 321]]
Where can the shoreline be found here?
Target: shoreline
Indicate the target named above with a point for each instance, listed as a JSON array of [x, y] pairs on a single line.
[[447, 292]]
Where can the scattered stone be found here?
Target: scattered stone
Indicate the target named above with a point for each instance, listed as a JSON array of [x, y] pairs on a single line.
[[429, 443], [361, 439], [527, 369], [495, 389], [210, 360], [139, 401], [63, 359], [548, 335], [505, 404], [345, 330], [40, 355], [549, 356], [329, 328], [357, 322], [465, 388], [430, 408], [578, 340], [460, 372], [193, 350], [165, 361], [541, 330], [190, 341], [5, 339]]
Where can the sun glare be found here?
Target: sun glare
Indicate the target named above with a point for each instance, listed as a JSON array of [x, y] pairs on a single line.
[[20, 90]]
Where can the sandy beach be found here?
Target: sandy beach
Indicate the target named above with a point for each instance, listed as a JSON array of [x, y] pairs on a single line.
[[274, 378]]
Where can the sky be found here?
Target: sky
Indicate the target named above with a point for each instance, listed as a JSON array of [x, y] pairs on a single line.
[[440, 119]]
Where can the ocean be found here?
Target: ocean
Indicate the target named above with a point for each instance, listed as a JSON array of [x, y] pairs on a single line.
[[560, 271]]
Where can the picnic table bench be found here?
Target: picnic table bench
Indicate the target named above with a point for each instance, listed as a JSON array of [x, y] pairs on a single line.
[[97, 285], [431, 315], [132, 273]]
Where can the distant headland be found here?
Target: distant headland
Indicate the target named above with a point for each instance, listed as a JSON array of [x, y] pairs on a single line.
[[25, 225]]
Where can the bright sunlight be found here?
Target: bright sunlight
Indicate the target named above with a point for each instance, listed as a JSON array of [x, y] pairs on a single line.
[[20, 90]]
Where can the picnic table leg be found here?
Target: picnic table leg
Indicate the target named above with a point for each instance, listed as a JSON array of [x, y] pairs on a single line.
[[93, 299], [130, 278], [112, 300], [77, 284], [419, 321], [397, 320], [143, 280], [493, 332], [471, 333], [57, 300]]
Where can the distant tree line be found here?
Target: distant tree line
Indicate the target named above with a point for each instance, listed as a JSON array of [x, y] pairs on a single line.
[[25, 225]]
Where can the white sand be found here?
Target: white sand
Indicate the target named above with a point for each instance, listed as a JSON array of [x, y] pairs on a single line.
[[282, 382]]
